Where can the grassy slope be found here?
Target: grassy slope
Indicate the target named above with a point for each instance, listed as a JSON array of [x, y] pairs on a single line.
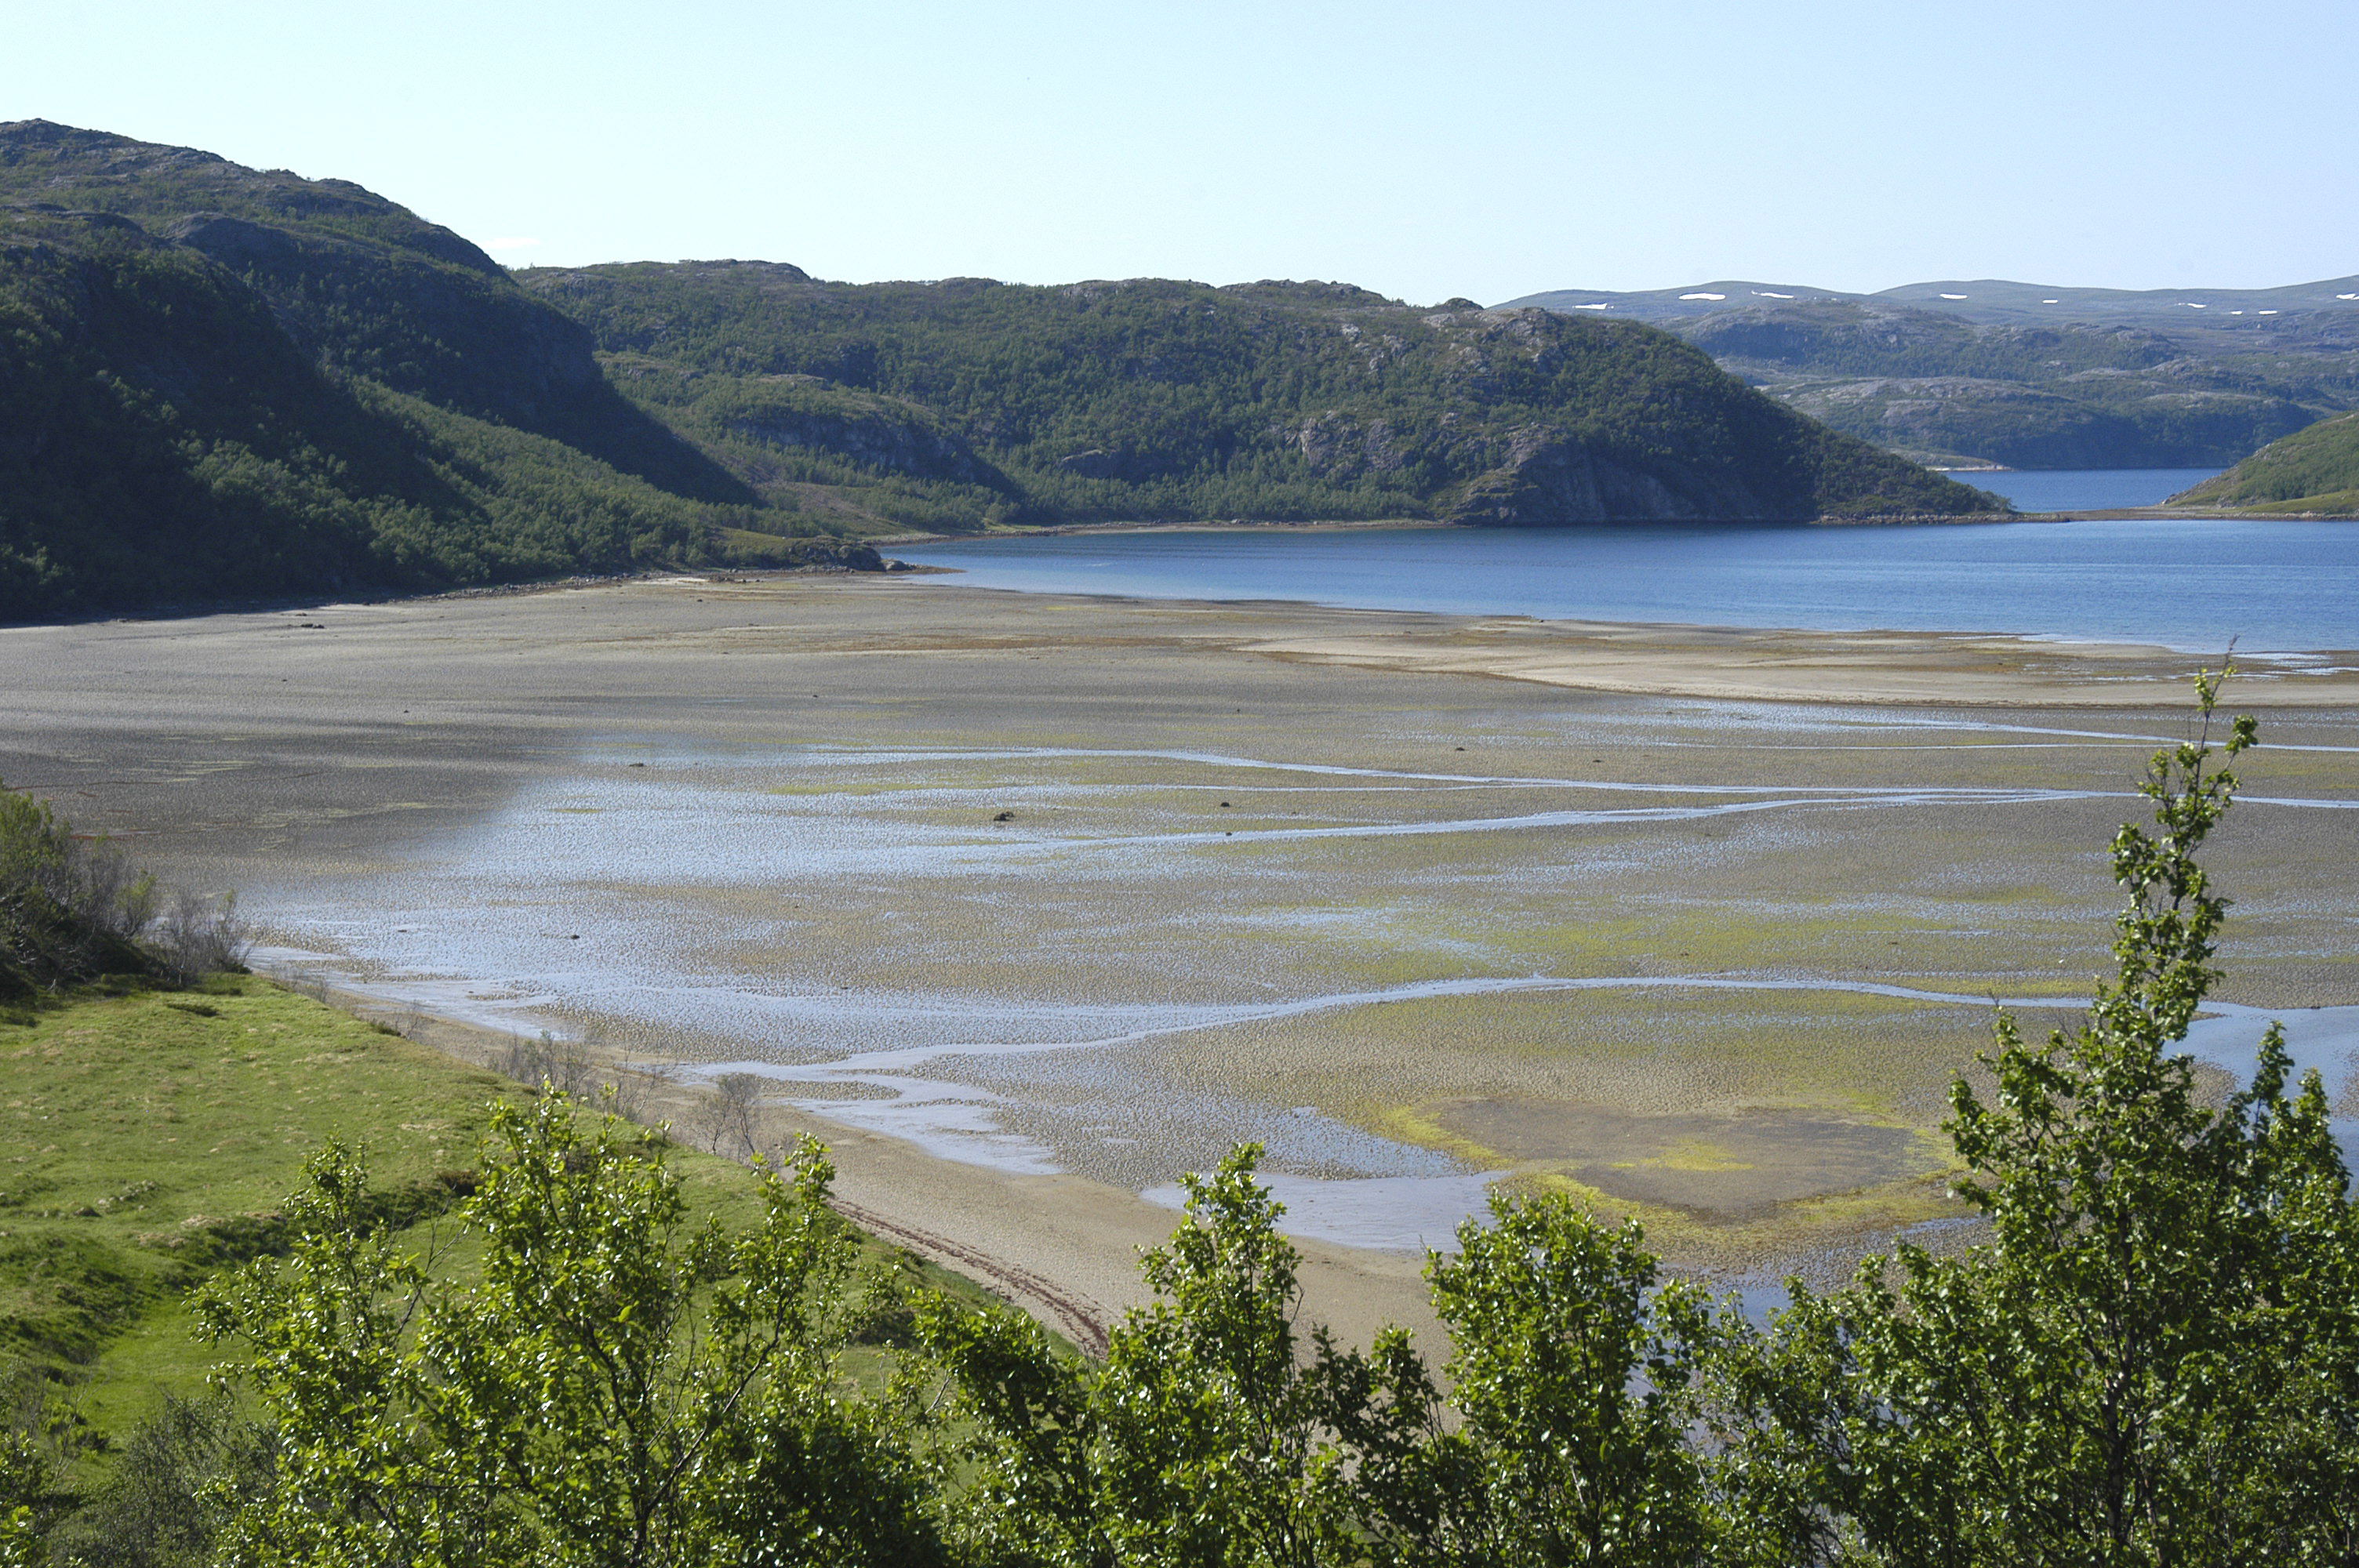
[[147, 1140], [2313, 470]]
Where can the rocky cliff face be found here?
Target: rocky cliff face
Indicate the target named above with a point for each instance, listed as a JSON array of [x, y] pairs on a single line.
[[888, 440], [1552, 478], [1334, 445]]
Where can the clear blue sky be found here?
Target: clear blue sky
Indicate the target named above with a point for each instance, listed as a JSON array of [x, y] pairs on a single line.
[[1488, 149]]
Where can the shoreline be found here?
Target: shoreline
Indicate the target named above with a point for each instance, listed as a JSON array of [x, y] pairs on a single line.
[[1345, 525], [2111, 660], [1336, 526]]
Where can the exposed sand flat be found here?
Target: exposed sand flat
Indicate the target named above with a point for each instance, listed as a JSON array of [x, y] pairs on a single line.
[[1817, 667], [1082, 888]]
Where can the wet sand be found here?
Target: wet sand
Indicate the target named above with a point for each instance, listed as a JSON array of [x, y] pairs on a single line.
[[1027, 901], [1900, 667]]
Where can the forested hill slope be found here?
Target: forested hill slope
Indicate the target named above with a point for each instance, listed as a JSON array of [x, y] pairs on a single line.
[[366, 286], [1151, 398], [197, 404], [2314, 473]]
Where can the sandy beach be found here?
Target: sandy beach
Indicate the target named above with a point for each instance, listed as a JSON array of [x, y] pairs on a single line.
[[1025, 903]]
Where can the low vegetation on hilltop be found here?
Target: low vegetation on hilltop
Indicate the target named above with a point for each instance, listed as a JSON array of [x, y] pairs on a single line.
[[2313, 472]]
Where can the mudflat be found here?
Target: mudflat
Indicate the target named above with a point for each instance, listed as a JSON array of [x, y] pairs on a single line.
[[1027, 903]]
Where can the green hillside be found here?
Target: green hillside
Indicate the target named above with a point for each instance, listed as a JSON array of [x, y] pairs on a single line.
[[217, 383], [2313, 471], [162, 438], [1151, 398], [343, 414], [367, 286]]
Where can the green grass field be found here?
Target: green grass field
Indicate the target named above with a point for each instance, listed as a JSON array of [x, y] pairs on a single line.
[[151, 1137]]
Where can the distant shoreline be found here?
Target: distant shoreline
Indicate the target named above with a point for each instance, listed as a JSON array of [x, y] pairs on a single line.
[[1323, 525], [2066, 514]]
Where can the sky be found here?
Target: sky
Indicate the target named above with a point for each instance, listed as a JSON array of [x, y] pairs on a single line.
[[1488, 149]]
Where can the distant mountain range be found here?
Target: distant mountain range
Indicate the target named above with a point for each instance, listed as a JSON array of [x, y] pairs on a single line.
[[220, 381], [1990, 302], [2025, 376]]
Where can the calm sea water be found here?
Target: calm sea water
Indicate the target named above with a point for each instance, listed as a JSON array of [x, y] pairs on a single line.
[[2087, 489], [2276, 585]]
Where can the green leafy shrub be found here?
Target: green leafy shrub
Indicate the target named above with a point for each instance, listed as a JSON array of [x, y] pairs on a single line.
[[610, 1385]]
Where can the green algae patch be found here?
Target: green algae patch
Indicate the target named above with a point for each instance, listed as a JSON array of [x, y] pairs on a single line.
[[1740, 1126], [1408, 1125], [1774, 1240], [1698, 1154]]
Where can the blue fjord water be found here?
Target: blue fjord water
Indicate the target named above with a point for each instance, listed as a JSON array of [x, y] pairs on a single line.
[[2085, 490], [2276, 586]]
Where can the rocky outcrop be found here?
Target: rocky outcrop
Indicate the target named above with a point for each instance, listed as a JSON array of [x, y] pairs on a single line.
[[882, 436], [1336, 446], [1095, 463], [1550, 478], [741, 547]]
